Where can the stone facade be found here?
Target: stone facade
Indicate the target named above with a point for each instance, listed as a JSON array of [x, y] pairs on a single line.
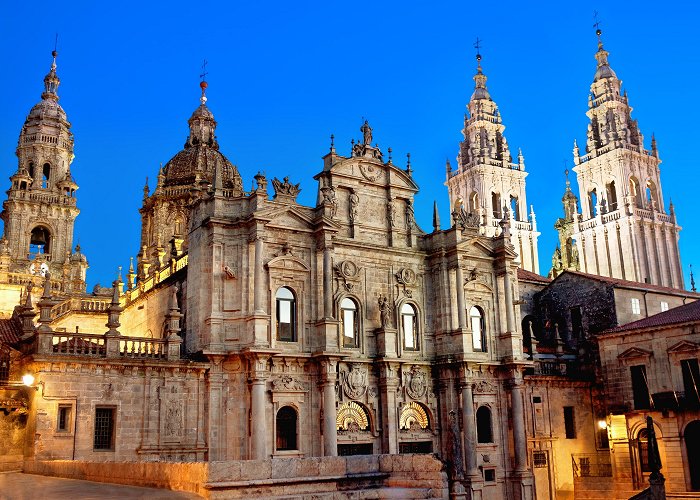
[[257, 331]]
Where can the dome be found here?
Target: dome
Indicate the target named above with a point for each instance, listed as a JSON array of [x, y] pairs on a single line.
[[604, 71], [77, 256], [47, 108], [200, 161]]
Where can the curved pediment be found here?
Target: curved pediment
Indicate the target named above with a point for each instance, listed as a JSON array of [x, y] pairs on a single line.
[[288, 263]]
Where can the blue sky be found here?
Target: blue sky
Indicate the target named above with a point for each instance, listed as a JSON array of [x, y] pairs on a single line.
[[283, 76]]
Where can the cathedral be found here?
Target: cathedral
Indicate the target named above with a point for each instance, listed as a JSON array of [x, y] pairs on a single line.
[[255, 330]]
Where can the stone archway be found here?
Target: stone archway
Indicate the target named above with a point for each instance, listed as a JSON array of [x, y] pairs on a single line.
[[691, 436]]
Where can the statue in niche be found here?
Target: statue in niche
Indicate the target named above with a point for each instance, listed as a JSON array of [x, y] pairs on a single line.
[[391, 213], [330, 198], [384, 312], [354, 204], [410, 215]]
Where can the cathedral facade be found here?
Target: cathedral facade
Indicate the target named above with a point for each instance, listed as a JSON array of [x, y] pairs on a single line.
[[255, 328]]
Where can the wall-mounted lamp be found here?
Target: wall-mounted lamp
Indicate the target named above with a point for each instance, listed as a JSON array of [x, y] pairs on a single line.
[[602, 424], [28, 379]]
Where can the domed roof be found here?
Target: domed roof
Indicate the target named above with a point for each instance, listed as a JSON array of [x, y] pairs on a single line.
[[604, 71], [47, 108], [77, 256]]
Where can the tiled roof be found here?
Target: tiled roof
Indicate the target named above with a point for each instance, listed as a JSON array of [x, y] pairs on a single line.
[[634, 284], [10, 330], [678, 315], [524, 275]]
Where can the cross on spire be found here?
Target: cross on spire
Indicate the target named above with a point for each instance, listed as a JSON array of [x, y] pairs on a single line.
[[596, 24], [204, 70]]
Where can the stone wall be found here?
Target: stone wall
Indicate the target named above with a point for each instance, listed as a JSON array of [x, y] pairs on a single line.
[[408, 476]]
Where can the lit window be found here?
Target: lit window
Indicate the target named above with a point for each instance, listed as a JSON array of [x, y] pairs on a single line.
[[348, 318], [408, 324], [635, 307], [664, 306], [476, 320], [286, 315]]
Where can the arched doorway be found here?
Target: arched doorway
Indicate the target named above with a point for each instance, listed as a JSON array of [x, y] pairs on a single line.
[[691, 437]]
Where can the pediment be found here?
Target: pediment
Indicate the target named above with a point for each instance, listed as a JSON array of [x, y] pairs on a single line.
[[682, 347], [288, 263], [634, 353], [483, 247], [289, 218]]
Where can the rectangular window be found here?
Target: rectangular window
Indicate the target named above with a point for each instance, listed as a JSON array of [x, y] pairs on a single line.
[[349, 323], [640, 389], [104, 428], [691, 381], [569, 424], [64, 418], [664, 306], [408, 332], [635, 307], [577, 322], [489, 475]]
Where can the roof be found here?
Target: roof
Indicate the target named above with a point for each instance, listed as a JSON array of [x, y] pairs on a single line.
[[620, 283], [10, 330], [686, 313], [524, 275]]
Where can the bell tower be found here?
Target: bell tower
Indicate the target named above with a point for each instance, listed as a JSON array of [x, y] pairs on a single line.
[[624, 230], [487, 181], [40, 208]]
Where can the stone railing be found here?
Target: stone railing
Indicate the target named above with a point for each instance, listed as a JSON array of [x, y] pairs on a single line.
[[107, 346], [154, 279], [45, 196], [97, 305]]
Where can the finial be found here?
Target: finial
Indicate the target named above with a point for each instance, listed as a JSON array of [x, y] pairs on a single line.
[[54, 53], [436, 217], [692, 279], [203, 84], [119, 274], [131, 265], [477, 46], [146, 189], [332, 143], [389, 151], [409, 170], [598, 31]]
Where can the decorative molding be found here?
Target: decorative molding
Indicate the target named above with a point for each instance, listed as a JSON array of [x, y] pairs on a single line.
[[406, 278], [354, 381], [415, 382]]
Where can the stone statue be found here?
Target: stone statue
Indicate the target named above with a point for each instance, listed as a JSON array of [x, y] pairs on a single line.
[[285, 188], [330, 198], [366, 134], [556, 260], [354, 203], [384, 312], [410, 215], [391, 213]]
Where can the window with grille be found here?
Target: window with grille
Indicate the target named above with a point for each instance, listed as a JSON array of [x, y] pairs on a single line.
[[539, 459], [64, 414], [104, 429], [635, 307]]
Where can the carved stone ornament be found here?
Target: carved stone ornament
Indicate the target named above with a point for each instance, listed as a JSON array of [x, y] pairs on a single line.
[[484, 387], [464, 220], [370, 172], [287, 383], [354, 381], [347, 271], [173, 419], [415, 382], [285, 188], [406, 278]]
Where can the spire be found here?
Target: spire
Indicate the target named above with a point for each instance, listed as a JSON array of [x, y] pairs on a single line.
[[604, 70], [202, 123], [692, 279], [480, 91], [51, 80], [436, 217]]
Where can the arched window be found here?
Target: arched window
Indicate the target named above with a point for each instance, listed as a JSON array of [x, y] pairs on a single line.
[[286, 315], [31, 169], [496, 205], [592, 203], [484, 430], [514, 208], [348, 321], [650, 195], [612, 196], [39, 240], [635, 192], [409, 327], [474, 203], [286, 429], [476, 320], [46, 174]]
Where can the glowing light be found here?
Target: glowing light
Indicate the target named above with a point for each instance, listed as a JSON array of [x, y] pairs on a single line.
[[602, 424], [28, 379]]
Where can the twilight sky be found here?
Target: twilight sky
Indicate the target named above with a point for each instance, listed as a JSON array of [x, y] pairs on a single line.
[[283, 76]]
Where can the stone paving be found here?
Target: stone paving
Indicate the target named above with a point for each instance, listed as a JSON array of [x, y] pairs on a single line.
[[18, 486]]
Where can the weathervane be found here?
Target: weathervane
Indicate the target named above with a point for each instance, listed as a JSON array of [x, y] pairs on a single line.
[[477, 46], [596, 24], [204, 70]]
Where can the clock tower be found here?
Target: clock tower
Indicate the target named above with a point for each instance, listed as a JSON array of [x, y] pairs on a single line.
[[40, 208]]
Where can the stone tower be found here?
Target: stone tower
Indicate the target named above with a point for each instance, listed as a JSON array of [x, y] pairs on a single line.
[[624, 230], [189, 175], [40, 208], [487, 183], [566, 254]]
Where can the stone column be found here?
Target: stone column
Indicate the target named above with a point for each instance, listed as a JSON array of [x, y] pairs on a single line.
[[330, 434], [517, 393], [469, 429], [215, 386], [258, 284], [388, 383], [327, 282], [258, 415], [461, 312], [508, 295]]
